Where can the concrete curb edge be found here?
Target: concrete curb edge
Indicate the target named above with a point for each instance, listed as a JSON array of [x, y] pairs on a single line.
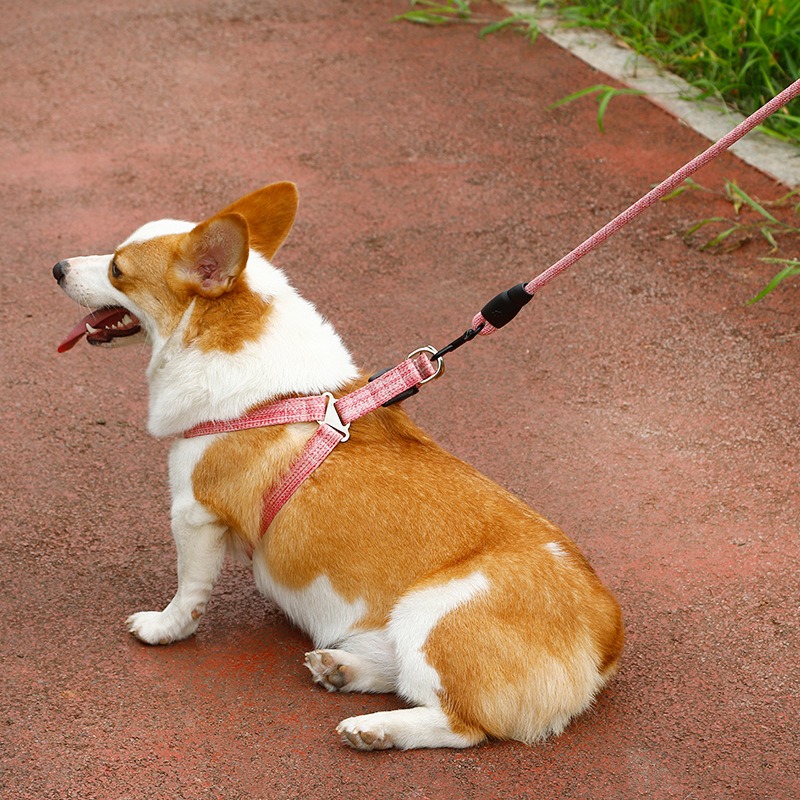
[[711, 119]]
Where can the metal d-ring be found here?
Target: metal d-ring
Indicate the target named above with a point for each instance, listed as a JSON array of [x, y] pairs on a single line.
[[439, 366]]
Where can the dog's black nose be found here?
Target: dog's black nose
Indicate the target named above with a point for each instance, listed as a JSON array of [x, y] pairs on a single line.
[[60, 270]]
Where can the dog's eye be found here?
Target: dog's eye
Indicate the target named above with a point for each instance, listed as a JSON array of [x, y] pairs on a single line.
[[116, 272]]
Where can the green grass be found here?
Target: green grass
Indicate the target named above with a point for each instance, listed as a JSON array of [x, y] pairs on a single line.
[[770, 222], [442, 12], [604, 94], [741, 51]]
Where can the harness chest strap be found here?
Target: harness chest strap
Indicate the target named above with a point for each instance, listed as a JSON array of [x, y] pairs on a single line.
[[334, 417]]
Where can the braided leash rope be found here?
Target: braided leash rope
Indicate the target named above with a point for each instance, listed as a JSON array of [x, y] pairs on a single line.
[[483, 326]]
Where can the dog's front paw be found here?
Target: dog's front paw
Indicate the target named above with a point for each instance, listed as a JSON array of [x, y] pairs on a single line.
[[159, 627]]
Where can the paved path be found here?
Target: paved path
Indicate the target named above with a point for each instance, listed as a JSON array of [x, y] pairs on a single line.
[[637, 402]]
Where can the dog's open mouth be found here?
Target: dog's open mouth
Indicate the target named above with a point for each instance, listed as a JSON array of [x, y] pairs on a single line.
[[101, 327]]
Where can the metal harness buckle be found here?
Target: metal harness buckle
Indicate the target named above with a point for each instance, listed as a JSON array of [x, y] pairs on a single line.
[[332, 418]]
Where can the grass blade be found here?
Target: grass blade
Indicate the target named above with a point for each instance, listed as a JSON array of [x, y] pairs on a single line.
[[687, 185], [605, 99], [435, 13], [702, 223], [769, 236], [577, 95], [497, 26], [606, 95], [745, 198], [792, 268], [720, 238], [421, 18]]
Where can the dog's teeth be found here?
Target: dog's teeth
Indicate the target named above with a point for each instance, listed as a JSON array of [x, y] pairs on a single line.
[[126, 320], [90, 329]]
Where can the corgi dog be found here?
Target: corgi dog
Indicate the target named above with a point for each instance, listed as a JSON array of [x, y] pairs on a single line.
[[409, 570]]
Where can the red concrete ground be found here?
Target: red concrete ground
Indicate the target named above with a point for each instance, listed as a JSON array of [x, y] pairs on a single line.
[[637, 402]]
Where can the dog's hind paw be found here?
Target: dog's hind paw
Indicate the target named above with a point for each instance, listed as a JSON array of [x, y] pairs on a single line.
[[360, 734], [159, 627], [328, 669]]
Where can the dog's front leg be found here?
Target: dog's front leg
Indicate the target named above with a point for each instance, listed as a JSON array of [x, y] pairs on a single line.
[[200, 540]]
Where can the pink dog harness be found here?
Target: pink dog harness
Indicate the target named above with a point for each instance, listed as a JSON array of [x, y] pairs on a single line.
[[334, 418]]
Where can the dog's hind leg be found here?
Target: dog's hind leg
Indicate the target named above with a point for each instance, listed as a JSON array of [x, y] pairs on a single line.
[[200, 541], [404, 729], [340, 671], [410, 624]]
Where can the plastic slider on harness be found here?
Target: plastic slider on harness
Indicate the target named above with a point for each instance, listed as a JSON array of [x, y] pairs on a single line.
[[411, 391]]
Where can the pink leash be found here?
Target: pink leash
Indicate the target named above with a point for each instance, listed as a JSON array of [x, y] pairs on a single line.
[[334, 416], [660, 191]]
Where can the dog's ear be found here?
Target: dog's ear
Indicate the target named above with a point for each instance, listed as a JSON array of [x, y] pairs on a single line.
[[213, 255], [269, 213]]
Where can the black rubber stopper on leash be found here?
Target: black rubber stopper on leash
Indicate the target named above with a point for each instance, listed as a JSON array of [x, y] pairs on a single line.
[[502, 308]]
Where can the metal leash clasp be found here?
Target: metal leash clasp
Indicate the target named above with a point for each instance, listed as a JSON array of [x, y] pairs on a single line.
[[431, 351]]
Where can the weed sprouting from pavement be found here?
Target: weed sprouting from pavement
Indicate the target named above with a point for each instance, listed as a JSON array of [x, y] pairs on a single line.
[[791, 267], [433, 12], [752, 220], [605, 94], [429, 12]]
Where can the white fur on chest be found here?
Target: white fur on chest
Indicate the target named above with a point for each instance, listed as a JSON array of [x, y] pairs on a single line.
[[299, 353]]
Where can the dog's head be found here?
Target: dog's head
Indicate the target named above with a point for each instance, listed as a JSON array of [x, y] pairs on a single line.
[[146, 286]]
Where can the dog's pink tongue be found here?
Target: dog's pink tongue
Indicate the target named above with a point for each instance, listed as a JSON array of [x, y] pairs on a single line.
[[97, 319]]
